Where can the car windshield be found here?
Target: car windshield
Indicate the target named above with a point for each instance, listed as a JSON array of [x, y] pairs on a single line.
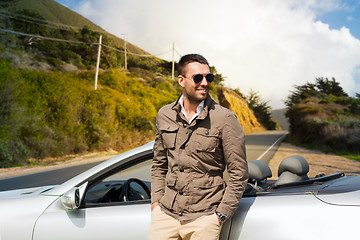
[[141, 171], [126, 185]]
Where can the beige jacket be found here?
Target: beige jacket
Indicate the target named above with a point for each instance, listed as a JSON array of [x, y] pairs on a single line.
[[189, 160]]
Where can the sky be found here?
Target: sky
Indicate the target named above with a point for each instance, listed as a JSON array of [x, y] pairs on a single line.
[[267, 46]]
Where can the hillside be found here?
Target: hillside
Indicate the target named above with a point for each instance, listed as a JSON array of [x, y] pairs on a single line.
[[52, 11], [42, 115], [246, 117], [55, 15], [49, 107]]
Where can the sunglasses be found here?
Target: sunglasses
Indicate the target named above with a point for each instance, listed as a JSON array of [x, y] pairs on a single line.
[[197, 78]]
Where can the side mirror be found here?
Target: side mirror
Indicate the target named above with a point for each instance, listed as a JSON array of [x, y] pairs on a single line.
[[72, 199]]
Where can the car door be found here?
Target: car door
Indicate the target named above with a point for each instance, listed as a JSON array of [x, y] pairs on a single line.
[[109, 211]]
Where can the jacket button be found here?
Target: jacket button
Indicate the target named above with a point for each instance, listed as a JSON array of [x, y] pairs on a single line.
[[180, 214], [206, 132], [181, 193], [185, 125], [181, 169]]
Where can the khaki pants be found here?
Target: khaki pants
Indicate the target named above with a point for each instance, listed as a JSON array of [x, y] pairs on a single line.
[[165, 227]]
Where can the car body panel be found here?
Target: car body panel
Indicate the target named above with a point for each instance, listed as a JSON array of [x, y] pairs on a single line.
[[123, 221], [23, 193], [18, 215], [321, 208], [346, 192], [293, 217]]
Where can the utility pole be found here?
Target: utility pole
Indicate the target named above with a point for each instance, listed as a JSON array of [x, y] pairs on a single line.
[[125, 51], [173, 62], [98, 63]]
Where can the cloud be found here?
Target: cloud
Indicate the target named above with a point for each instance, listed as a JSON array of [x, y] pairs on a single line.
[[267, 46]]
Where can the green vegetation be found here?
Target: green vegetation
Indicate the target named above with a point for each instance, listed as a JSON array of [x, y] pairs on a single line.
[[323, 116], [54, 114], [48, 105], [48, 112], [80, 50], [261, 109]]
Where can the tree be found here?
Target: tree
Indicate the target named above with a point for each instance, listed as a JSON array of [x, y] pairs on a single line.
[[261, 109], [218, 77], [327, 86], [320, 89]]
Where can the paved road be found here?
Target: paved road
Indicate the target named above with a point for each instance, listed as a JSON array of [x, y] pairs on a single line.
[[261, 146], [50, 177]]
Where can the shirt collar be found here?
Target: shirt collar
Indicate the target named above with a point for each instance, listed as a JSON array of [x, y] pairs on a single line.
[[199, 108]]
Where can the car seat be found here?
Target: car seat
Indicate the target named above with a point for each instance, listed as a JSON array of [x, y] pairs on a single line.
[[292, 169], [259, 172]]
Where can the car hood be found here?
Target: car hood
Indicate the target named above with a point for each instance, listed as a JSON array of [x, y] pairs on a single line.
[[25, 192]]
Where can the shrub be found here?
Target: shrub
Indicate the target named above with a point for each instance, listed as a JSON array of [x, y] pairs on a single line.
[[324, 116], [54, 114]]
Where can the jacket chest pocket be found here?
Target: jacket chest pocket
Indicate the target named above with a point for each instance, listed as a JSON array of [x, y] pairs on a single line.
[[169, 136], [207, 140]]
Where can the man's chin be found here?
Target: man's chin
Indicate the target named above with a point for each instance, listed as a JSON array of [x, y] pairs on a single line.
[[202, 96], [198, 97]]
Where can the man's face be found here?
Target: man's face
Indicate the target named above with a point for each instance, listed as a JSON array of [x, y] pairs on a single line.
[[194, 92]]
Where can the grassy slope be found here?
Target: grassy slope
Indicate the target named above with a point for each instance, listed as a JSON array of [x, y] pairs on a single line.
[[55, 114], [55, 12]]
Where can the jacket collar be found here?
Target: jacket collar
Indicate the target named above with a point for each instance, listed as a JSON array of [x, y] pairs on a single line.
[[209, 102]]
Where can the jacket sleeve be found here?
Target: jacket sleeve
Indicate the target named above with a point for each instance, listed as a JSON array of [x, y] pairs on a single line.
[[233, 143], [159, 167]]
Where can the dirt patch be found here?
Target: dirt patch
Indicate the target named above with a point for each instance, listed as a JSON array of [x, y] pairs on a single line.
[[319, 162]]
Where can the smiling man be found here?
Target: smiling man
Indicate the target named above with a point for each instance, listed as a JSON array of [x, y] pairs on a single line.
[[195, 140]]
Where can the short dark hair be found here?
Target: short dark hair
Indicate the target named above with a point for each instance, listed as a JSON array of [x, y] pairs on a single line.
[[189, 58]]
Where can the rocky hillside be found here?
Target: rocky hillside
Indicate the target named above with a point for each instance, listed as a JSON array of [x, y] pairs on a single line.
[[237, 104]]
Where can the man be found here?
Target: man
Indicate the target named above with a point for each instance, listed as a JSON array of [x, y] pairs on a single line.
[[195, 140]]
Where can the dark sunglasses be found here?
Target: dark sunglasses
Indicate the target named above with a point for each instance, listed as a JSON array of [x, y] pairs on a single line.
[[197, 78]]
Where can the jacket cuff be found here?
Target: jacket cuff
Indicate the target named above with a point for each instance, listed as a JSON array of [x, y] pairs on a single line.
[[224, 210]]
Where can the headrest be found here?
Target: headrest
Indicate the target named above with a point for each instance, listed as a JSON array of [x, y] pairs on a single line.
[[295, 164], [258, 170]]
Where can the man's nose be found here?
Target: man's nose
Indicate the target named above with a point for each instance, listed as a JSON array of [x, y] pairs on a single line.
[[204, 81]]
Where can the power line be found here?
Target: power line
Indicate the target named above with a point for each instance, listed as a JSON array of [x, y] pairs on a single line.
[[34, 20], [72, 41], [46, 38], [7, 31], [173, 50], [180, 55], [47, 23]]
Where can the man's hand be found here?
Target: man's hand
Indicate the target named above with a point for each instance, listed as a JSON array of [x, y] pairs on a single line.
[[154, 205]]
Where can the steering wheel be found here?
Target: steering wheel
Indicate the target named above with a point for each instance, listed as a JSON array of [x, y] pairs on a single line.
[[126, 188]]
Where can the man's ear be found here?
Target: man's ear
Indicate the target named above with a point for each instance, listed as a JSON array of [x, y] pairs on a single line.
[[181, 80]]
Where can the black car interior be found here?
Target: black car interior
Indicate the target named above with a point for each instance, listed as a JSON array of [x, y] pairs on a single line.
[[292, 172]]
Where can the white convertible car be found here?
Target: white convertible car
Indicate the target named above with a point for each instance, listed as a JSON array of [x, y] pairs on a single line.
[[112, 201]]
